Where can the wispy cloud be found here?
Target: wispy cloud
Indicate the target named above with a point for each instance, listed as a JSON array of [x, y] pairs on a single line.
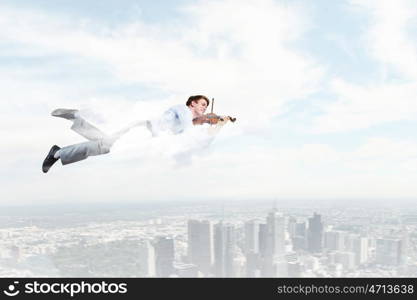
[[391, 95], [243, 58], [248, 56]]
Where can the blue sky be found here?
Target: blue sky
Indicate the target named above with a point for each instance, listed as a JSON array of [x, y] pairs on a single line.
[[324, 93]]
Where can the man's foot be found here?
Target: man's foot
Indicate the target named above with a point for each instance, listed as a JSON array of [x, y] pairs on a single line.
[[65, 113], [50, 159]]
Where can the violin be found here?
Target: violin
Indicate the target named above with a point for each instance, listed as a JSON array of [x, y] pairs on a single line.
[[211, 118]]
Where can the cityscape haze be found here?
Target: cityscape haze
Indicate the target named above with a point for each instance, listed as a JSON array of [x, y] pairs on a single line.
[[218, 239]]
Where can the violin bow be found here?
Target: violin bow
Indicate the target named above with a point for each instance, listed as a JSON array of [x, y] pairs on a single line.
[[212, 109]]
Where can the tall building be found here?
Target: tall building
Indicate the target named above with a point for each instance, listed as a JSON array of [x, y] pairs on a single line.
[[164, 253], [200, 245], [315, 234], [301, 229], [274, 263], [275, 240], [262, 239], [292, 226], [146, 259], [360, 248], [252, 264], [335, 240], [388, 251], [251, 237], [224, 248], [299, 237]]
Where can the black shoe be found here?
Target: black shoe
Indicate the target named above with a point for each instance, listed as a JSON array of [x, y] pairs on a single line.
[[65, 113], [50, 159]]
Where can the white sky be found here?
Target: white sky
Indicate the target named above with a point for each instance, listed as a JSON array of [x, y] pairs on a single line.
[[324, 92]]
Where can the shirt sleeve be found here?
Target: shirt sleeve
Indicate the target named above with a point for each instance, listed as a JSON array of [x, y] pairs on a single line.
[[176, 119]]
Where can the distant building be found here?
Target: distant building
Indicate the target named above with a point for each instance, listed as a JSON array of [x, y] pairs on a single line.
[[146, 259], [224, 247], [200, 245], [361, 249], [275, 241], [164, 252], [274, 263], [390, 251], [301, 229], [252, 264], [251, 237], [262, 239], [315, 234], [335, 240], [299, 243], [299, 236], [292, 224]]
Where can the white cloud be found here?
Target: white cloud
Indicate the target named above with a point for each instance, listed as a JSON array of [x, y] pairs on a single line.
[[241, 56], [379, 168], [388, 37], [246, 58], [360, 107], [391, 96]]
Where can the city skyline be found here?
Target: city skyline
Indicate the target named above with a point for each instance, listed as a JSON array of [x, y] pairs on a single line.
[[204, 241]]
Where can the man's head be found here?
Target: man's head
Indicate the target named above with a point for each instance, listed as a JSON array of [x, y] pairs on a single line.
[[198, 104]]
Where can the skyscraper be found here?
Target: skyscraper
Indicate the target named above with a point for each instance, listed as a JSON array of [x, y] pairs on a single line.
[[335, 240], [251, 236], [274, 263], [224, 247], [262, 239], [146, 259], [388, 251], [164, 252], [252, 262], [360, 248], [292, 224], [315, 234], [299, 236], [200, 244], [275, 240]]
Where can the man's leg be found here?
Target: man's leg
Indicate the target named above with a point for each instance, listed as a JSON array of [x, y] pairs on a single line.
[[74, 153], [80, 125], [87, 130], [100, 143], [81, 151]]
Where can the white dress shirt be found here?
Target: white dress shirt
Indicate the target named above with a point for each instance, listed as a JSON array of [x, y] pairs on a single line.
[[176, 120]]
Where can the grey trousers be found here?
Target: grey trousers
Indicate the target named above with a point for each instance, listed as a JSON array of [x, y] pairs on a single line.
[[99, 143]]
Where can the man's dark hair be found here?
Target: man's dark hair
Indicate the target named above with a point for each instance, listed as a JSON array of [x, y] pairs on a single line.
[[196, 98]]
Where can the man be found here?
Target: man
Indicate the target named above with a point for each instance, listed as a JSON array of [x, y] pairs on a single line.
[[176, 119]]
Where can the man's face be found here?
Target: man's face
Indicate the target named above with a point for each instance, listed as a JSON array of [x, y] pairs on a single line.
[[199, 107]]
